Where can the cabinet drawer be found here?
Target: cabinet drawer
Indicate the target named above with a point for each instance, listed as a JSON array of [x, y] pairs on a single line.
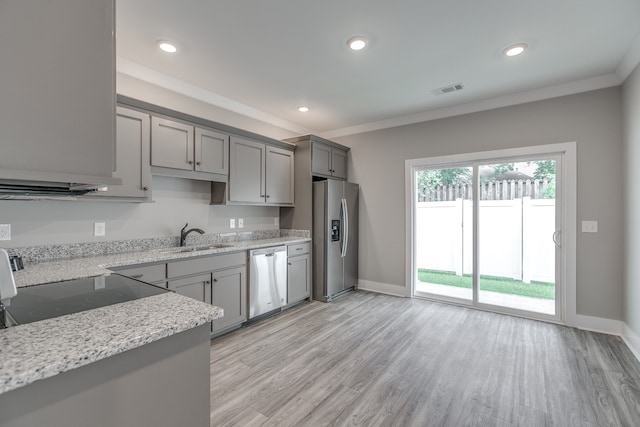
[[146, 273], [207, 263], [298, 249]]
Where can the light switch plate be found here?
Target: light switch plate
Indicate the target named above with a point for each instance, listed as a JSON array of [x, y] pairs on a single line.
[[99, 229], [276, 221], [589, 226], [240, 223], [232, 223], [5, 231]]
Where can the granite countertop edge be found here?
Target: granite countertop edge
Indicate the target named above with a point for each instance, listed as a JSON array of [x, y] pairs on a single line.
[[43, 349], [40, 350]]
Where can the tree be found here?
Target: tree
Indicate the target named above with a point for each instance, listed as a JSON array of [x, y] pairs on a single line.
[[433, 177], [545, 169]]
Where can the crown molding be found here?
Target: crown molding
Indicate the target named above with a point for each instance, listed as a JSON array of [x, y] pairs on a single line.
[[578, 86], [629, 61]]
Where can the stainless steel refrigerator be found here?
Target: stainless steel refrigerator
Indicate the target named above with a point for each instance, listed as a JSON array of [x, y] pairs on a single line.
[[335, 238]]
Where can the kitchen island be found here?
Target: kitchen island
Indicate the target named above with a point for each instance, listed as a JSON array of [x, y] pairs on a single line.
[[143, 362]]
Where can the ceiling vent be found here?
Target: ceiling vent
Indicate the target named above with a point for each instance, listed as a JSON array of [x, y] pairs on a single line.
[[448, 89]]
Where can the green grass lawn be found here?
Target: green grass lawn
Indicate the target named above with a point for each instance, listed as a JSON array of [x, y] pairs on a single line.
[[488, 283]]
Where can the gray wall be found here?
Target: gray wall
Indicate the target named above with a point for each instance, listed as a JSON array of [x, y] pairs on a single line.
[[631, 106], [176, 201], [593, 119]]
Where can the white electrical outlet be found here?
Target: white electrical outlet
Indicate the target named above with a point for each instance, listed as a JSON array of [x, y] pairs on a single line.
[[589, 226], [232, 223], [5, 231], [240, 223], [99, 229]]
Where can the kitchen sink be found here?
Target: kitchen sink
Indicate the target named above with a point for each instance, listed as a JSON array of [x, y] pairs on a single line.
[[182, 249]]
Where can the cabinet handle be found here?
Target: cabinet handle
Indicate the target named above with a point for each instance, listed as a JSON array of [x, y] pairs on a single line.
[[267, 196], [198, 163], [145, 188], [298, 249], [215, 280], [136, 276], [190, 162], [289, 263], [206, 282]]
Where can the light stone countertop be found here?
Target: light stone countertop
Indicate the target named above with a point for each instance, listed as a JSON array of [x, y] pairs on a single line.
[[68, 269], [39, 350]]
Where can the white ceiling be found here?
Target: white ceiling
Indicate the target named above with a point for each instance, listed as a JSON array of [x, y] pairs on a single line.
[[264, 58]]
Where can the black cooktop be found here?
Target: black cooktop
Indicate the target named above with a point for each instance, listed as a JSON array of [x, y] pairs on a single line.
[[34, 303]]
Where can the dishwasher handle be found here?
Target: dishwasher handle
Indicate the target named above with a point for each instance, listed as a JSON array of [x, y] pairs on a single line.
[[270, 251]]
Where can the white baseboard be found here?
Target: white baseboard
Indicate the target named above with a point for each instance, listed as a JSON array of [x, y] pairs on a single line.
[[383, 288], [631, 339], [597, 324]]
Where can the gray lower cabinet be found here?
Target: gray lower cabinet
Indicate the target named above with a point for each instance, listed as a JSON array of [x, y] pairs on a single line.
[[298, 272], [328, 161], [260, 174], [151, 273], [220, 280], [196, 287], [131, 163], [230, 293]]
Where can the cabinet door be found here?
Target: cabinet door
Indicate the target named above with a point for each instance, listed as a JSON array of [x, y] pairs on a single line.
[[338, 163], [131, 163], [320, 159], [211, 151], [279, 176], [246, 171], [298, 278], [230, 293], [197, 287], [171, 144]]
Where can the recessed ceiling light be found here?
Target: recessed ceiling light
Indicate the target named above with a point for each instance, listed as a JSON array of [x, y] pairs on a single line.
[[167, 47], [357, 43], [515, 49], [303, 109]]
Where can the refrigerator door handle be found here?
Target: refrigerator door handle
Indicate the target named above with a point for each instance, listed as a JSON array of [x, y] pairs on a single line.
[[345, 229]]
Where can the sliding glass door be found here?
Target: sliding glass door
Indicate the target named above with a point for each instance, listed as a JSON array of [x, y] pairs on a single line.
[[488, 234]]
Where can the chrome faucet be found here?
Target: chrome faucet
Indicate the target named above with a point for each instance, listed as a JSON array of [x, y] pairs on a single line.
[[184, 234]]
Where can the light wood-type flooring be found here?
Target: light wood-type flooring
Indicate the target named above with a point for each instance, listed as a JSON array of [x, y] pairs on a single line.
[[374, 360]]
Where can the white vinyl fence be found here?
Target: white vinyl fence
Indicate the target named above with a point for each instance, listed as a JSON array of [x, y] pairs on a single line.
[[515, 238]]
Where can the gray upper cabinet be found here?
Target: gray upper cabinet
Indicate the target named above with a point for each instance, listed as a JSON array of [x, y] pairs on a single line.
[[246, 171], [132, 157], [185, 151], [338, 163], [57, 108], [279, 171], [259, 173], [172, 144], [328, 161], [211, 151]]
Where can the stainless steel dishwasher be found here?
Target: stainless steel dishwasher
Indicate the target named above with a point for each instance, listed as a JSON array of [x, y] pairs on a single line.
[[267, 280]]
